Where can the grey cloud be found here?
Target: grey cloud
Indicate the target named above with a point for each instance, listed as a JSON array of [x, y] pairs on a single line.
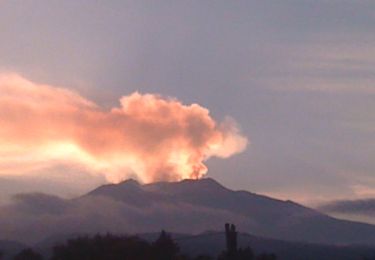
[[38, 203], [362, 206]]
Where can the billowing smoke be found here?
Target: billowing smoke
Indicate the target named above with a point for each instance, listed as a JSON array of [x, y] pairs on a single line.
[[148, 137]]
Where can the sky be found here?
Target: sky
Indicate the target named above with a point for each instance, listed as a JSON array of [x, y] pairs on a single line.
[[294, 78]]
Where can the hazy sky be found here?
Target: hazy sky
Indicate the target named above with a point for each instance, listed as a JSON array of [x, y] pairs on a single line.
[[297, 76]]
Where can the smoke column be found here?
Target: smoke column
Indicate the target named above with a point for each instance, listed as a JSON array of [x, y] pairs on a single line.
[[147, 136]]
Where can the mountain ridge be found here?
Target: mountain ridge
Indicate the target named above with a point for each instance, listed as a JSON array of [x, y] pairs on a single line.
[[295, 221], [188, 206]]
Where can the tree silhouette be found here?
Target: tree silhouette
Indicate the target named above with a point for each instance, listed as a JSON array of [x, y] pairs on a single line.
[[112, 247], [204, 257], [28, 254], [240, 254], [245, 254], [164, 248], [108, 247], [265, 256]]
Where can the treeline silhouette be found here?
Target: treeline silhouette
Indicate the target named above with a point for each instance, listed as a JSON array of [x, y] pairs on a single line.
[[114, 247]]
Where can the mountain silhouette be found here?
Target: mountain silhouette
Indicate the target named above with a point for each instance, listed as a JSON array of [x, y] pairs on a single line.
[[258, 214], [187, 207], [8, 249]]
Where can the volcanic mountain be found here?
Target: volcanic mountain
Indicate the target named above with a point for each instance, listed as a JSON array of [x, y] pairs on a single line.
[[253, 213], [189, 207]]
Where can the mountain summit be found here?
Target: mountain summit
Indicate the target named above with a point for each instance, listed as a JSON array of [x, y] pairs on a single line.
[[256, 214], [188, 206]]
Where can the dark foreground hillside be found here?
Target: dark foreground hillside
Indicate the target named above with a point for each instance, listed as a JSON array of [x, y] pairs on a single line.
[[210, 243], [186, 247], [114, 247]]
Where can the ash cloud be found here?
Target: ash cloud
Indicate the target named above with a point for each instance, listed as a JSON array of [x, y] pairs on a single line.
[[147, 136]]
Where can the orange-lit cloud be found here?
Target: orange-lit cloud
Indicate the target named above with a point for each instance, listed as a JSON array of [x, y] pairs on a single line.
[[148, 137]]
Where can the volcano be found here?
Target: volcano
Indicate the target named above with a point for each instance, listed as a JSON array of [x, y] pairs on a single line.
[[188, 206], [256, 214]]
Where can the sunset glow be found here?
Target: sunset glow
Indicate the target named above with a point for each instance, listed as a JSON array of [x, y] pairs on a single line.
[[151, 137]]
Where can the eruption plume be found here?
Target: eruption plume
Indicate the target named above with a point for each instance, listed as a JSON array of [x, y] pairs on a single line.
[[147, 136]]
